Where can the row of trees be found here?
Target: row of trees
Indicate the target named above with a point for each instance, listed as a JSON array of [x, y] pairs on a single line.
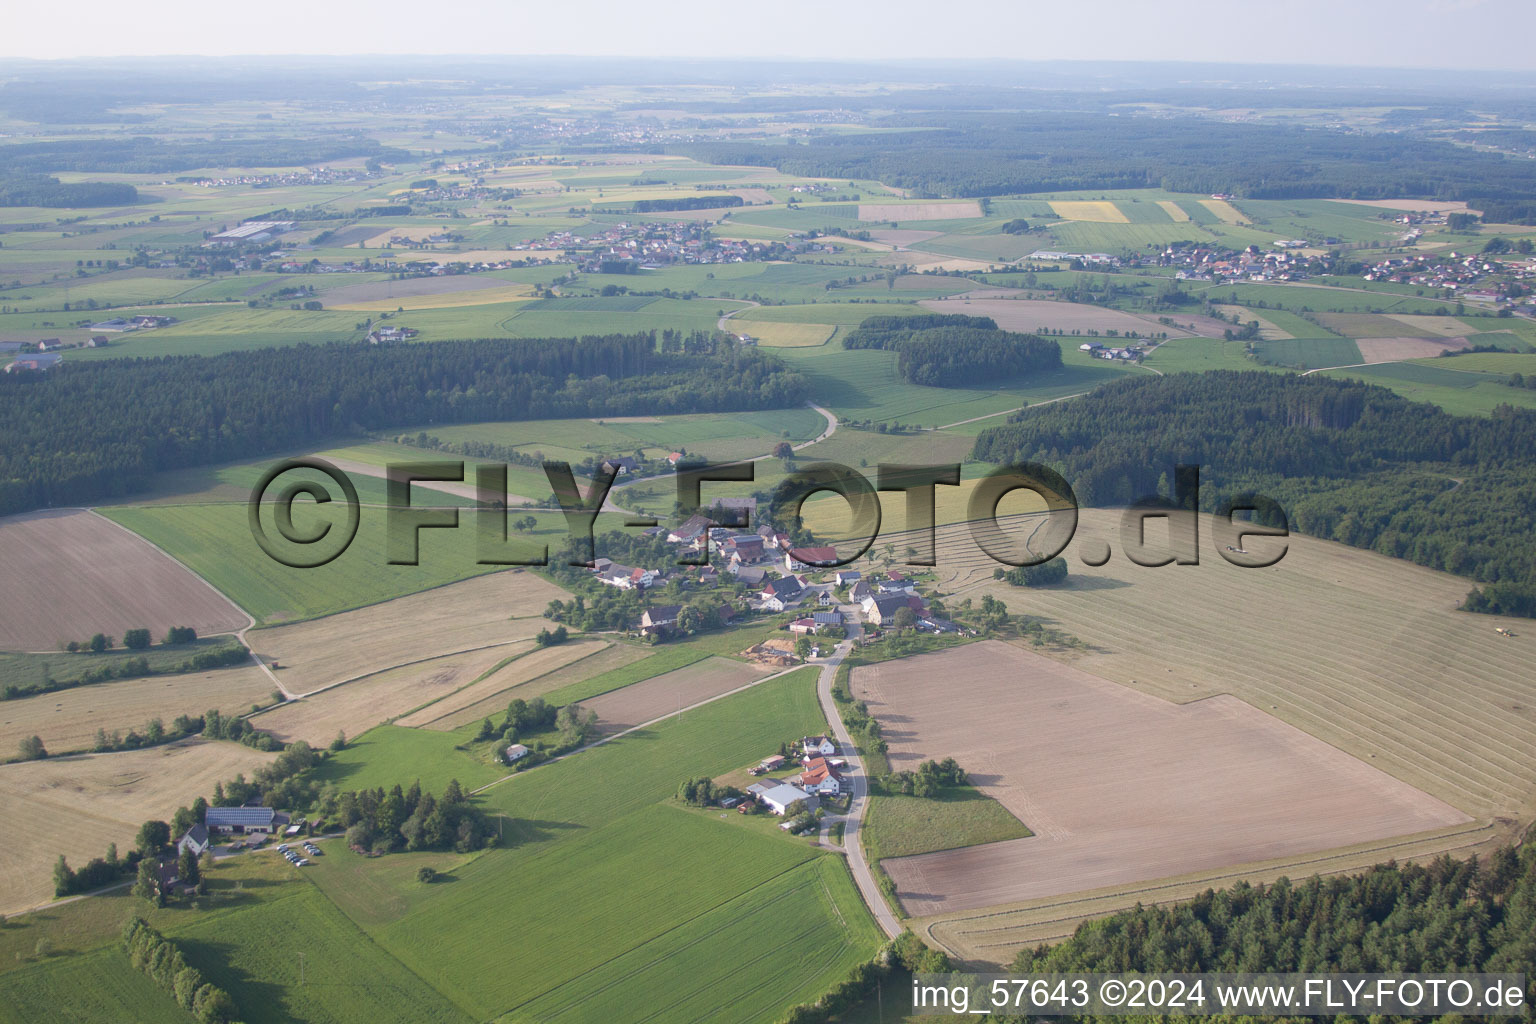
[[930, 780], [232, 653], [158, 957], [177, 411]]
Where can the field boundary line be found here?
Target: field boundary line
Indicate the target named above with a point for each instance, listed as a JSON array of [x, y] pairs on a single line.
[[497, 668], [408, 664], [646, 725]]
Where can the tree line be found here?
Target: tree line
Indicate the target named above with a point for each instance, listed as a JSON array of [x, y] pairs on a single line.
[[380, 822], [685, 203], [43, 190], [1449, 915], [160, 959], [1347, 461], [149, 415], [938, 350], [993, 153]]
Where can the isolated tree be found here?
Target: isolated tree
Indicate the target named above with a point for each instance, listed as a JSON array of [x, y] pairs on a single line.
[[340, 742], [904, 619], [136, 639], [803, 647], [63, 877], [147, 885], [100, 642], [783, 450], [32, 749], [153, 838], [187, 867], [426, 875]]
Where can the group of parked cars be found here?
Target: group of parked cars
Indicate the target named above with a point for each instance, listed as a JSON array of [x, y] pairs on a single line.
[[294, 857]]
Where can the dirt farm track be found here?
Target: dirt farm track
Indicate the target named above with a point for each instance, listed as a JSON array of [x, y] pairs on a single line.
[[71, 573]]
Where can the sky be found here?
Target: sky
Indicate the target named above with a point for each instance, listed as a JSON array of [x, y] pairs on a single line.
[[1487, 34]]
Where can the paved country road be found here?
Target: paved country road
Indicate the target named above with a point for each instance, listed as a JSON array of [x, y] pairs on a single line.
[[863, 874]]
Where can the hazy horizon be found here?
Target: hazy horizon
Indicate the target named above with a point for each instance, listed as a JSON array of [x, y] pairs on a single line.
[[1482, 35]]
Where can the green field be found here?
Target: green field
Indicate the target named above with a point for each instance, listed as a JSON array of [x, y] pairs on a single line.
[[216, 542], [629, 893], [1309, 353], [387, 754], [1466, 392], [1196, 355], [97, 988], [901, 826], [257, 956]]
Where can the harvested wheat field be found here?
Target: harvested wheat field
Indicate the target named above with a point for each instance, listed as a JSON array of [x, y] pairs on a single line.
[[77, 805], [1118, 786], [1175, 212], [67, 720], [494, 609], [72, 573], [1439, 326], [1390, 350], [616, 656], [1225, 211], [527, 663], [655, 697], [1410, 205], [1365, 652], [359, 705], [1267, 330], [963, 210], [1095, 211], [444, 300], [775, 335]]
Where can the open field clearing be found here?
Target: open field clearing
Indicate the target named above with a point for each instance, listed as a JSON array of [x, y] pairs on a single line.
[[1376, 325], [465, 489], [920, 211], [1117, 785], [1225, 211], [659, 695], [1363, 651], [1488, 362], [216, 541], [67, 720], [445, 300], [101, 986], [1175, 212], [528, 663], [567, 678], [1410, 205], [1436, 326], [494, 609], [77, 805], [1310, 353], [1091, 210], [345, 978], [610, 873], [1387, 350], [1268, 331], [790, 335], [1030, 315], [359, 705], [901, 237], [1459, 391], [71, 573], [903, 826]]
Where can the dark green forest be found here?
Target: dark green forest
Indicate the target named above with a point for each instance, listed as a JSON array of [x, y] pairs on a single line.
[[981, 153], [1449, 915], [144, 155], [42, 190], [148, 415], [938, 350], [1348, 461]]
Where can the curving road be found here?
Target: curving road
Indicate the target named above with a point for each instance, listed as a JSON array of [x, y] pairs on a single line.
[[863, 874]]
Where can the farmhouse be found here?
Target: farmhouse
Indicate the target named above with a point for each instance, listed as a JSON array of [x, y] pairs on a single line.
[[800, 627], [692, 529], [195, 840], [846, 577], [821, 778], [622, 465], [516, 752], [239, 820], [824, 619], [781, 593], [660, 618], [806, 558], [748, 574], [822, 746], [881, 610]]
